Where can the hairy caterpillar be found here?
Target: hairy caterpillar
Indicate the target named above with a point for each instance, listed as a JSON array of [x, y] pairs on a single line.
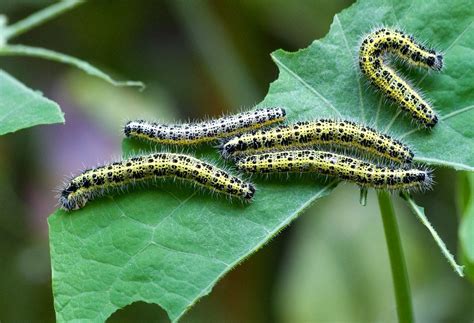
[[347, 168], [194, 133], [308, 133], [372, 63], [97, 182]]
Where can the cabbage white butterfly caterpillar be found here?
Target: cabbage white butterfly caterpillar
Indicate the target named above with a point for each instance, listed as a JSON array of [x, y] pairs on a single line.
[[97, 182]]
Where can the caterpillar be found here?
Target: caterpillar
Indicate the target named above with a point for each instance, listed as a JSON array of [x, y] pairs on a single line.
[[372, 62], [97, 182], [195, 133], [307, 133], [346, 168]]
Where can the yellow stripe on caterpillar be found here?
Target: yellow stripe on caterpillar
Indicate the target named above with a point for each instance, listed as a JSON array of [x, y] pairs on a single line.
[[318, 132], [97, 182], [206, 131], [372, 63], [343, 167]]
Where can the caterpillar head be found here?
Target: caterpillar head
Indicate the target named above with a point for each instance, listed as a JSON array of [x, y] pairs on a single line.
[[69, 201]]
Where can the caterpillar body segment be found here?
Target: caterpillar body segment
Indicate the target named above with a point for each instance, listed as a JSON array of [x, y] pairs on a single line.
[[206, 131], [99, 181], [343, 167], [342, 133]]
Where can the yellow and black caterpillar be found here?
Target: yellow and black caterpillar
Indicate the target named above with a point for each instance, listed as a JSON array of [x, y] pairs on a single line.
[[343, 167], [206, 131], [97, 182], [372, 62], [319, 132]]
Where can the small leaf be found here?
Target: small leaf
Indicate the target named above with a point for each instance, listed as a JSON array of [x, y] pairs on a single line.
[[170, 245], [420, 213], [21, 107]]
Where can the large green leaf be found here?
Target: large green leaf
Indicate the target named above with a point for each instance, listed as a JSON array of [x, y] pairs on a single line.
[[21, 107], [170, 245]]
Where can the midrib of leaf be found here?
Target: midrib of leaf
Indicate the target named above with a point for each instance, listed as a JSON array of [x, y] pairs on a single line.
[[381, 100], [351, 57], [440, 162]]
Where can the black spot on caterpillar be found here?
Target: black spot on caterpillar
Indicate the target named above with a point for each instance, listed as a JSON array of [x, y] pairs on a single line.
[[308, 133], [206, 131], [344, 167], [372, 63], [97, 182]]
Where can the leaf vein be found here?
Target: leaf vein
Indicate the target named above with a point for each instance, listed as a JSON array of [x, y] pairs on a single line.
[[351, 56], [306, 85]]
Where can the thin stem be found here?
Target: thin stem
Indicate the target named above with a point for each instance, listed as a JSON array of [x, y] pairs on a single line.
[[40, 17], [22, 50], [397, 262]]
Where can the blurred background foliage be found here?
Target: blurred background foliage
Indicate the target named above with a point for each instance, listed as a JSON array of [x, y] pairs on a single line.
[[203, 58]]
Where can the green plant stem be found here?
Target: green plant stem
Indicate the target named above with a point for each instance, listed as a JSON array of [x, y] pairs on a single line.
[[397, 262], [22, 50], [40, 17]]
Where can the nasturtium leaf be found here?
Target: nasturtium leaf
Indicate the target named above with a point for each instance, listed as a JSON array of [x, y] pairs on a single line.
[[170, 245], [21, 107]]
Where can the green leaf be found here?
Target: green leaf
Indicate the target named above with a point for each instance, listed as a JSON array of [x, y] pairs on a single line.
[[21, 107], [167, 246], [170, 245], [466, 227]]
